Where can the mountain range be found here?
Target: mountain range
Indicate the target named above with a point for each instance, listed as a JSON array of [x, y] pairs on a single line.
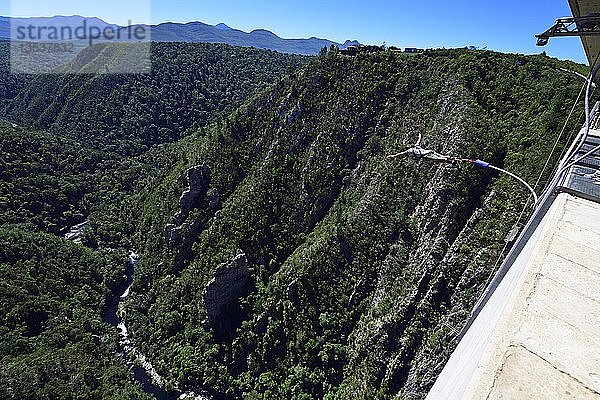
[[191, 32]]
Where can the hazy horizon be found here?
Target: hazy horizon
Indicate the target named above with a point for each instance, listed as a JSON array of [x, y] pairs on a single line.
[[509, 27]]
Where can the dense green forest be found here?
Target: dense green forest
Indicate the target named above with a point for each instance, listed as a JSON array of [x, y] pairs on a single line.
[[282, 254], [53, 342], [43, 178], [190, 86], [65, 163], [10, 84]]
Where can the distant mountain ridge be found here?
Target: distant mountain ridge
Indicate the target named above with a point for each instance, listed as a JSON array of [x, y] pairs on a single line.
[[72, 21], [191, 32]]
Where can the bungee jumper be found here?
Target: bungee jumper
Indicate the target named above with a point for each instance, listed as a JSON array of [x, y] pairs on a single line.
[[418, 153]]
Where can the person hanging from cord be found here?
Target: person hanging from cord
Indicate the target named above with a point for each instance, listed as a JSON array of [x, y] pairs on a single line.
[[418, 152]]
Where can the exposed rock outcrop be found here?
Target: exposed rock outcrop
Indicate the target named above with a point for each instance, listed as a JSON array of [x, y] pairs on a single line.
[[198, 178], [180, 236], [230, 282]]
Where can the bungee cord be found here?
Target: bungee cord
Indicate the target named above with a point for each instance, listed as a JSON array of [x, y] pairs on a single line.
[[419, 153]]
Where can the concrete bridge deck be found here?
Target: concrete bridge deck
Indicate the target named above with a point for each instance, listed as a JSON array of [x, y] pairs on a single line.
[[546, 344]]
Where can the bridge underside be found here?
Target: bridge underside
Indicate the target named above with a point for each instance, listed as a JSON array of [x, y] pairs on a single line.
[[591, 44]]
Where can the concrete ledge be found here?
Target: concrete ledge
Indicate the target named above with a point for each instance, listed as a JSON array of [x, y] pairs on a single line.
[[539, 335], [547, 344]]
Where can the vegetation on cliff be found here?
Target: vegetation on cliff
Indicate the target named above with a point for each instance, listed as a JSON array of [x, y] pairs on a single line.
[[361, 268], [53, 341], [70, 154]]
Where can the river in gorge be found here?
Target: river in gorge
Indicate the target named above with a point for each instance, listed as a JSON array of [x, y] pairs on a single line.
[[152, 383]]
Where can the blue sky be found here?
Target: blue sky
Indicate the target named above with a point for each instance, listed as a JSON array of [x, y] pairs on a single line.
[[507, 26]]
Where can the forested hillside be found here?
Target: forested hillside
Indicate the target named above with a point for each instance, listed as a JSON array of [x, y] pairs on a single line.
[[43, 178], [81, 132], [75, 149], [53, 342], [10, 84], [190, 85], [284, 256]]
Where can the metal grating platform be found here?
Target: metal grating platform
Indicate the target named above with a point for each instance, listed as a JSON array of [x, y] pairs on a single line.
[[593, 140], [583, 179], [583, 182], [592, 161]]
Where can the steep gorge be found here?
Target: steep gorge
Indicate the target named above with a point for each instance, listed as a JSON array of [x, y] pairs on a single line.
[[361, 268], [73, 148]]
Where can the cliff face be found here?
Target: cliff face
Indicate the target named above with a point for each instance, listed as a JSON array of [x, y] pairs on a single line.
[[230, 282], [358, 270]]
